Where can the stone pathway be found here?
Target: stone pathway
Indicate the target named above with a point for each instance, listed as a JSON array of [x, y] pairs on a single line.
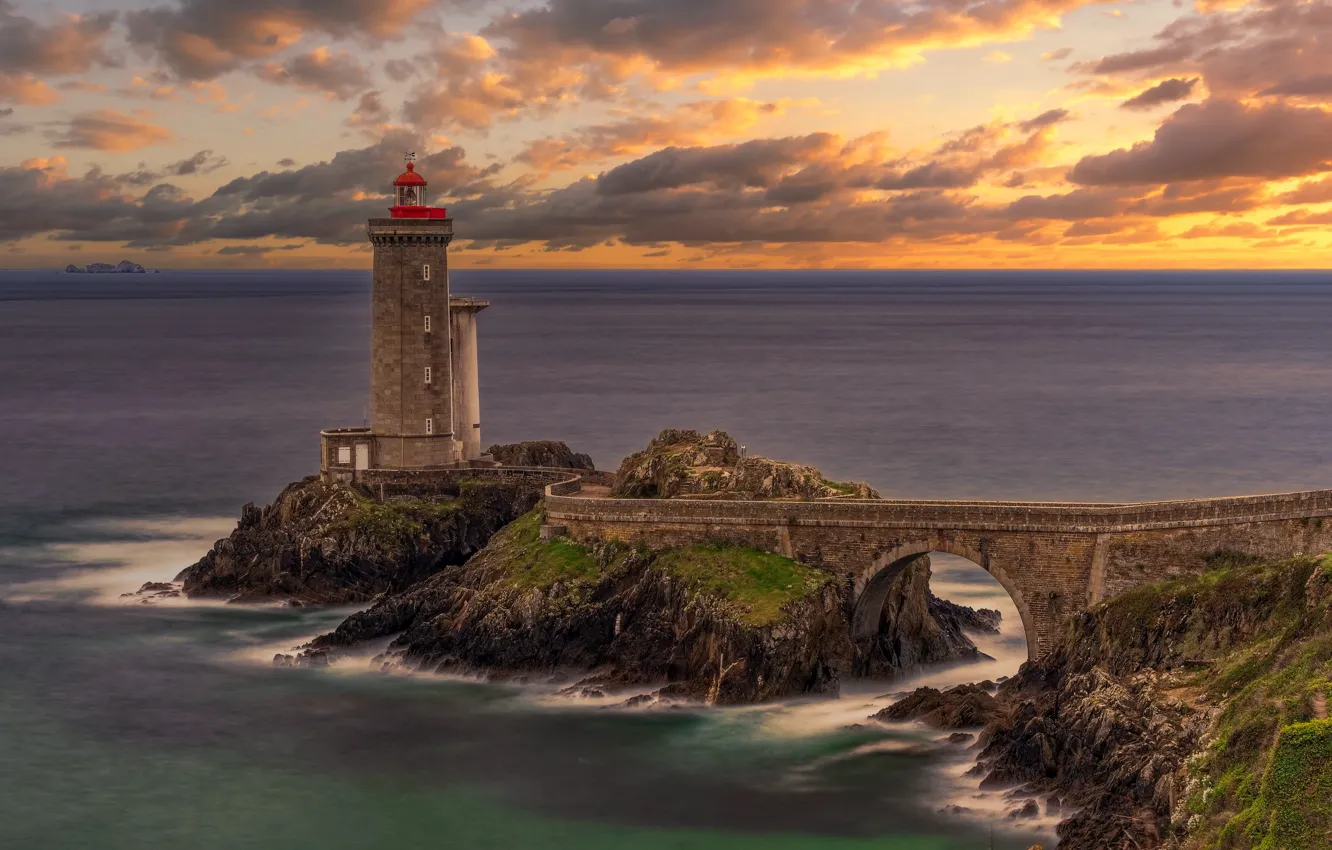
[[1320, 705]]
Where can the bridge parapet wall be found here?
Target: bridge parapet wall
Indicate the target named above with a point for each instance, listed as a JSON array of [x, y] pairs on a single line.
[[975, 516]]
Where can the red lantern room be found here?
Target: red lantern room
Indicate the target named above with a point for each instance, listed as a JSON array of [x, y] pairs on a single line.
[[409, 196]]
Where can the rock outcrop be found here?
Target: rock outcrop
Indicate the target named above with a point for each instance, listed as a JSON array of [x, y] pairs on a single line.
[[1160, 718], [713, 624], [961, 707], [917, 629], [331, 544], [718, 624], [548, 453], [686, 463]]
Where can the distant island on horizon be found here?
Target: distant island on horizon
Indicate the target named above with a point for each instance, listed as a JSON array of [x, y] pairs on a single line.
[[125, 267]]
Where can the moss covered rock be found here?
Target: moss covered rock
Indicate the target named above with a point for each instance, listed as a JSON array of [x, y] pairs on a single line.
[[725, 625], [332, 544]]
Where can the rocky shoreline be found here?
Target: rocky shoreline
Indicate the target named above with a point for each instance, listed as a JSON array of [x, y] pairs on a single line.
[[1183, 716], [463, 583]]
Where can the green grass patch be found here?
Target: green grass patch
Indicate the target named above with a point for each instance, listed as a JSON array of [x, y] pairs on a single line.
[[1294, 810], [531, 562], [761, 583]]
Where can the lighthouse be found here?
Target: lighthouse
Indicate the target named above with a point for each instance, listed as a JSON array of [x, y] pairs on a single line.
[[425, 408]]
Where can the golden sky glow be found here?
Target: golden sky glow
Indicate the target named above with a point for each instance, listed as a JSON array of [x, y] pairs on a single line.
[[690, 133]]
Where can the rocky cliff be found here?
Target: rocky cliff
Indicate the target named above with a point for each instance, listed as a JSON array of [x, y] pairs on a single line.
[[331, 544], [686, 463], [719, 624], [548, 453], [1188, 715]]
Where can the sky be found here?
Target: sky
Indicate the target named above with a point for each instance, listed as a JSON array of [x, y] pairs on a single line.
[[671, 133]]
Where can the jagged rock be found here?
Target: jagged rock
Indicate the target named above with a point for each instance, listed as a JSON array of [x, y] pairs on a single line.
[[917, 629], [983, 620], [1026, 811], [548, 453], [1097, 722], [330, 544], [956, 708], [73, 269], [686, 463], [153, 591], [961, 738], [954, 809]]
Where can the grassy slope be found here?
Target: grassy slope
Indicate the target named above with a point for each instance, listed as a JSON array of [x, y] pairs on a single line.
[[1265, 652], [759, 583]]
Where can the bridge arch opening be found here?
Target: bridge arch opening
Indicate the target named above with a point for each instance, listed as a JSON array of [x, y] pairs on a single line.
[[873, 585]]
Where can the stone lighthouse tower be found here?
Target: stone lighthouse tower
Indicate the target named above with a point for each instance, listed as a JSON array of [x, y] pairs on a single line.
[[425, 408]]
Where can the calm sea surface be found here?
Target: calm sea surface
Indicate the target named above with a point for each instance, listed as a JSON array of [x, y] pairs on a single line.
[[138, 413]]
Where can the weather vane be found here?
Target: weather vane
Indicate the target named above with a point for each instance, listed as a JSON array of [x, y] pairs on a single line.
[[410, 156]]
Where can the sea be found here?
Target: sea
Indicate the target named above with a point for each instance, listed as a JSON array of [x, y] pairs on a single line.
[[138, 413]]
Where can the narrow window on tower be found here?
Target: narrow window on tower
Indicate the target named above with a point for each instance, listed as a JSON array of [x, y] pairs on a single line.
[[427, 374], [430, 426], [427, 324], [425, 272]]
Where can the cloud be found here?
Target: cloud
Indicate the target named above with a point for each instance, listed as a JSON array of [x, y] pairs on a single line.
[[1057, 55], [25, 90], [1310, 192], [371, 114], [1045, 119], [1167, 91], [1315, 86], [256, 250], [200, 39], [726, 37], [28, 51], [8, 128], [72, 45], [338, 75], [689, 124], [1223, 230], [464, 87], [203, 162], [1216, 139], [1303, 218], [1272, 48], [109, 130]]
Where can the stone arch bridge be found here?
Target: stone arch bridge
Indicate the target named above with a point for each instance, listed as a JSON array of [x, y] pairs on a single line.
[[1054, 558]]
